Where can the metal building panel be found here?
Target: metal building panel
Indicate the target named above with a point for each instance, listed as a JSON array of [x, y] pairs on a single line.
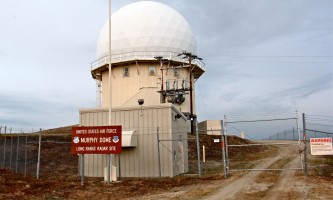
[[141, 161]]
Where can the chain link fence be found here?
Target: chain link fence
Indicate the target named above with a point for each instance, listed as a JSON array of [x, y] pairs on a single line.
[[37, 154], [236, 143], [318, 126], [256, 130], [239, 143]]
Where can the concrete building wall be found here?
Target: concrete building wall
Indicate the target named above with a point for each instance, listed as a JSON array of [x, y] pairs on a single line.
[[127, 88], [210, 127], [142, 160]]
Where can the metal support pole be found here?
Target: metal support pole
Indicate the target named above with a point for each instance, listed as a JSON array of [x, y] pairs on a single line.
[[299, 138], [162, 81], [17, 152], [110, 69], [191, 97], [159, 153], [198, 149], [305, 147], [82, 169], [285, 133], [108, 170], [110, 95], [4, 152], [11, 152], [39, 149], [226, 144], [223, 150], [119, 166], [25, 155]]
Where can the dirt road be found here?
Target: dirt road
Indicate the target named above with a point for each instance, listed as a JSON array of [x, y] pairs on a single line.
[[248, 185], [286, 184]]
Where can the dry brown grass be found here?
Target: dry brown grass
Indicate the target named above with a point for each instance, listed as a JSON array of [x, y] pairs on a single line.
[[321, 165]]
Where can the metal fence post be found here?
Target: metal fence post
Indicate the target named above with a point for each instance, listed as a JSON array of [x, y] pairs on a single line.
[[226, 144], [82, 169], [299, 136], [4, 152], [25, 155], [39, 149], [109, 168], [285, 133], [223, 150], [158, 152], [119, 166], [305, 147], [11, 152], [17, 152], [198, 149]]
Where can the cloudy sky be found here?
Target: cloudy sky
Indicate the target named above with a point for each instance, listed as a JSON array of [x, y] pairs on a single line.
[[262, 56]]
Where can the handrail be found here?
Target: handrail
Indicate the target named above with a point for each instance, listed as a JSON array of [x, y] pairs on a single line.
[[143, 55]]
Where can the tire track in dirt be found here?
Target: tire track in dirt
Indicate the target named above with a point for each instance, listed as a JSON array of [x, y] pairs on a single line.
[[235, 190], [284, 187]]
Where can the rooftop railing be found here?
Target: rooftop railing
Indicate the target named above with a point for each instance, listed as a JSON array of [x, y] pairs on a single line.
[[143, 55]]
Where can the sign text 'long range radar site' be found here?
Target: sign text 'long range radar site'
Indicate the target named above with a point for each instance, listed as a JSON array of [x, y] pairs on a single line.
[[96, 140]]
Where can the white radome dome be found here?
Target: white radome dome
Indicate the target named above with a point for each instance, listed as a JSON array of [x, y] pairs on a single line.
[[146, 26]]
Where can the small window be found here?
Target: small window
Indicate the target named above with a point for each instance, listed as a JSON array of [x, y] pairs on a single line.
[[167, 85], [126, 71], [175, 84], [175, 72], [184, 84], [152, 70]]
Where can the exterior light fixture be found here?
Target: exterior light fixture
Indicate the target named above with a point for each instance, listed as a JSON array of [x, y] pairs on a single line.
[[177, 116], [141, 102]]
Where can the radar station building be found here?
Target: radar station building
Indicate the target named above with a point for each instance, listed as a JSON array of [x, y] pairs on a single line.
[[153, 71]]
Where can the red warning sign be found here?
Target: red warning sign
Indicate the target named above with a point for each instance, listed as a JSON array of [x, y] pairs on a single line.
[[321, 146], [96, 140]]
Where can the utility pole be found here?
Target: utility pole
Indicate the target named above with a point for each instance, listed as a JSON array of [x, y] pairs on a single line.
[[162, 60], [190, 57]]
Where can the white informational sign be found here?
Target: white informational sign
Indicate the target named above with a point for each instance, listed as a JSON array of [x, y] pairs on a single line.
[[216, 140], [321, 146]]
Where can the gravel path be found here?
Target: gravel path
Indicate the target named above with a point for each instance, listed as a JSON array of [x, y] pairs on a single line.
[[243, 187]]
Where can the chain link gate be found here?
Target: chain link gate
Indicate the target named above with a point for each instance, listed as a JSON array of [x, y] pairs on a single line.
[[317, 126], [263, 153]]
